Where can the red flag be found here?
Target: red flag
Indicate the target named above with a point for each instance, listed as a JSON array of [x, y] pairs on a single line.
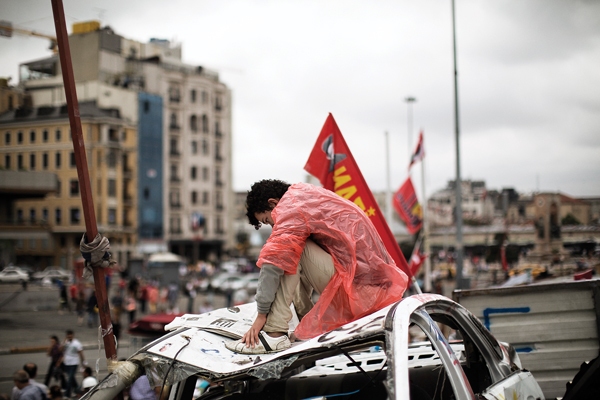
[[408, 207], [416, 260], [419, 152], [331, 162]]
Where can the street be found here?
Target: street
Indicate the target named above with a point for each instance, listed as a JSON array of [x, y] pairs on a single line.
[[25, 334]]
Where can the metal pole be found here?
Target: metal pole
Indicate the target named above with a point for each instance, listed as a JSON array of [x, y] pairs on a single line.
[[82, 172], [458, 189], [409, 117], [388, 207], [427, 284]]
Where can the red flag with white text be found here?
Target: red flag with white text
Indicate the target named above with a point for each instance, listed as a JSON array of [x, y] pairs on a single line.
[[419, 152], [407, 206], [331, 162]]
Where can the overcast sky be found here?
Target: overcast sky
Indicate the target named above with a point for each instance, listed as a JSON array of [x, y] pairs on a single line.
[[528, 81]]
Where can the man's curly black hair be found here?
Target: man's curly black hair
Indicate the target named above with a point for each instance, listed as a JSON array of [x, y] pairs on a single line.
[[258, 197]]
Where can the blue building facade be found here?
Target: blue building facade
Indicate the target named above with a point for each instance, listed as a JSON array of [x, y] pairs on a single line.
[[150, 166]]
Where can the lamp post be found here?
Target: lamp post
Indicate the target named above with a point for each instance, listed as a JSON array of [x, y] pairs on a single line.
[[458, 189], [409, 120]]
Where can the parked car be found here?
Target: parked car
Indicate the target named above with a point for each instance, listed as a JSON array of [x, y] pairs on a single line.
[[52, 274], [13, 275], [231, 282], [370, 358], [21, 268]]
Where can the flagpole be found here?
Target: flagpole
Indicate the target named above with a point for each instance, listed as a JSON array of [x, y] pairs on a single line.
[[388, 206], [416, 249], [427, 284]]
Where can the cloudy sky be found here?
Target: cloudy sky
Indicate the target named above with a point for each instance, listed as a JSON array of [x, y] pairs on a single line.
[[529, 81]]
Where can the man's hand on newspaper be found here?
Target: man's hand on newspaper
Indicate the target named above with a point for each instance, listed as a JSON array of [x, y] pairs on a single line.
[[251, 337]]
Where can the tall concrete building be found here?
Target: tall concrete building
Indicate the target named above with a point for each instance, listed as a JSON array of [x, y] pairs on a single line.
[[181, 115]]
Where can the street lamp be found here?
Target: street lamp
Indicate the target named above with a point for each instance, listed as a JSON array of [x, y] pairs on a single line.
[[409, 101]]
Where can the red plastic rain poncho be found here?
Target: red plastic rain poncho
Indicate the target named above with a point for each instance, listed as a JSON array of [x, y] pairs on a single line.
[[365, 279]]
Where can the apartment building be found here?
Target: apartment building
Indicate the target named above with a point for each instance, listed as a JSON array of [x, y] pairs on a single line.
[[38, 139], [182, 114]]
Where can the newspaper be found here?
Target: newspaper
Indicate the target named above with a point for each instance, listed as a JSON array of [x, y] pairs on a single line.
[[232, 322]]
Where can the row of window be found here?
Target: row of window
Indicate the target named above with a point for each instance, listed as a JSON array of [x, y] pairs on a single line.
[[195, 124], [175, 96], [174, 148], [75, 216], [19, 137], [33, 161], [175, 225]]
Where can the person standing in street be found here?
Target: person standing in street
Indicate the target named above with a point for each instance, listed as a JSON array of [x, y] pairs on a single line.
[[31, 370], [56, 358], [73, 356], [27, 390]]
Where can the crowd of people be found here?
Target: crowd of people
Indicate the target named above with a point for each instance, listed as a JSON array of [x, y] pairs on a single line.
[[66, 358]]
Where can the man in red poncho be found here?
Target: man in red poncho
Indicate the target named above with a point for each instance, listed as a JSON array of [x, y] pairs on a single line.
[[322, 242]]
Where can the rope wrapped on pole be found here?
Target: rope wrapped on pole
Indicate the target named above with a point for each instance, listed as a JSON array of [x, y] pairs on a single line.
[[96, 254]]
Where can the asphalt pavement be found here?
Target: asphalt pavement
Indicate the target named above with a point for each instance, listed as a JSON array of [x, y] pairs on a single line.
[[24, 337]]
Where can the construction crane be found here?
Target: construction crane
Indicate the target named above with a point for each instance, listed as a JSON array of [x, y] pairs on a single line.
[[7, 29]]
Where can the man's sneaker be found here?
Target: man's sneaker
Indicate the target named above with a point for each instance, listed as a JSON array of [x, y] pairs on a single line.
[[267, 344]]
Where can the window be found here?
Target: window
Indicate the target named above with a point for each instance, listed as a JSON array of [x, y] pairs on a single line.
[[7, 138], [146, 193], [7, 161], [58, 187], [204, 123], [194, 147], [174, 173], [173, 121], [32, 136], [194, 123], [72, 162], [173, 148], [205, 147], [112, 159], [58, 216], [205, 174], [44, 214], [19, 137], [57, 135], [45, 160], [112, 216], [57, 160], [193, 95], [146, 106], [75, 216], [45, 135], [32, 161], [112, 188], [19, 215], [20, 162], [205, 198], [32, 215], [74, 187], [193, 173], [218, 152], [204, 97], [194, 197], [217, 129]]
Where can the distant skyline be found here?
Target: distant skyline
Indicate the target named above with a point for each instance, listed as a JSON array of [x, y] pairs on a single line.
[[528, 76]]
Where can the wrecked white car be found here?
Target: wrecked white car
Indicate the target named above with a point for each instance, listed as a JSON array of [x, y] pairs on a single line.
[[371, 358]]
